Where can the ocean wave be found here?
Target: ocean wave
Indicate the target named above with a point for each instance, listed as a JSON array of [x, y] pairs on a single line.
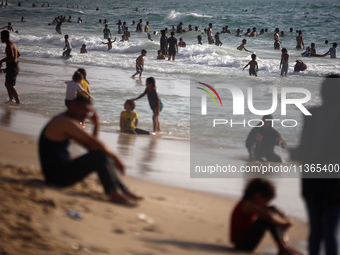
[[175, 16]]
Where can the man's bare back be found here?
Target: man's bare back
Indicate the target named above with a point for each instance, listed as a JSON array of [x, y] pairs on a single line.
[[12, 52]]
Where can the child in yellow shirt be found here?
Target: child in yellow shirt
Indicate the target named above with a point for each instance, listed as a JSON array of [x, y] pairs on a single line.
[[129, 120]]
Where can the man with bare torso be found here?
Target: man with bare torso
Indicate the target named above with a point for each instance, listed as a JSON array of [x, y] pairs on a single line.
[[12, 66], [299, 41]]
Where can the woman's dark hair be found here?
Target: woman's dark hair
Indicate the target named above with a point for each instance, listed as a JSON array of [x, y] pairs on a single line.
[[152, 81], [262, 186], [83, 72], [77, 76]]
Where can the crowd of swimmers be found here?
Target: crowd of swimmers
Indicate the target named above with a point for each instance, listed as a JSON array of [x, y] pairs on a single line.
[[252, 215], [169, 45]]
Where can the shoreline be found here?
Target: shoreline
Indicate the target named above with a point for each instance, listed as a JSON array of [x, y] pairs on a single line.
[[170, 219]]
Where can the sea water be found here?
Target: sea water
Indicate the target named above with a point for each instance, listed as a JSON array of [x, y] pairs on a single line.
[[43, 71]]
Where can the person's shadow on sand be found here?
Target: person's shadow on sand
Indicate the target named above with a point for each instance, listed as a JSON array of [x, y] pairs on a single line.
[[195, 246]]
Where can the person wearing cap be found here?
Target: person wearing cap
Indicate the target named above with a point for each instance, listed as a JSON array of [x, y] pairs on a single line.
[[262, 140]]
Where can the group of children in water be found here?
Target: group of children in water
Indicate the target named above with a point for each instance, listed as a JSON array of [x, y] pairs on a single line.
[[128, 118]]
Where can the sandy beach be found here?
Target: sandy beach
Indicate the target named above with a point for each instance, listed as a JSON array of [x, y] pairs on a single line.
[[36, 219]]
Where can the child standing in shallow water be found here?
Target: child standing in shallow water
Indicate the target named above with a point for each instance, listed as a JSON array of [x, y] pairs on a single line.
[[284, 62], [252, 216], [253, 67], [154, 101]]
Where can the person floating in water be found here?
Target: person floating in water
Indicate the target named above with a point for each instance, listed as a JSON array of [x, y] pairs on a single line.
[[261, 141]]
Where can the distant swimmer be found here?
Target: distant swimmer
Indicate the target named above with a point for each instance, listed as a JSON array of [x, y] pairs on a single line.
[[149, 37], [199, 39], [127, 33], [225, 30], [164, 43], [254, 32], [139, 27], [277, 41], [173, 46], [8, 27], [140, 64], [123, 38], [307, 52], [300, 66], [83, 49], [68, 47], [248, 32], [253, 66], [217, 39], [299, 41], [284, 62], [209, 33], [160, 55], [238, 33], [109, 43], [331, 51], [182, 43], [241, 47], [107, 32], [58, 26], [146, 28], [120, 27], [311, 51]]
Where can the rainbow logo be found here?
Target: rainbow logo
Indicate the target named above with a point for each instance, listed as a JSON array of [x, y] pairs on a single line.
[[213, 90], [204, 98]]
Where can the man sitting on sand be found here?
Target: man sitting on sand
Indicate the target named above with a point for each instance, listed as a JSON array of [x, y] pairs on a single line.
[[262, 140], [61, 170]]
